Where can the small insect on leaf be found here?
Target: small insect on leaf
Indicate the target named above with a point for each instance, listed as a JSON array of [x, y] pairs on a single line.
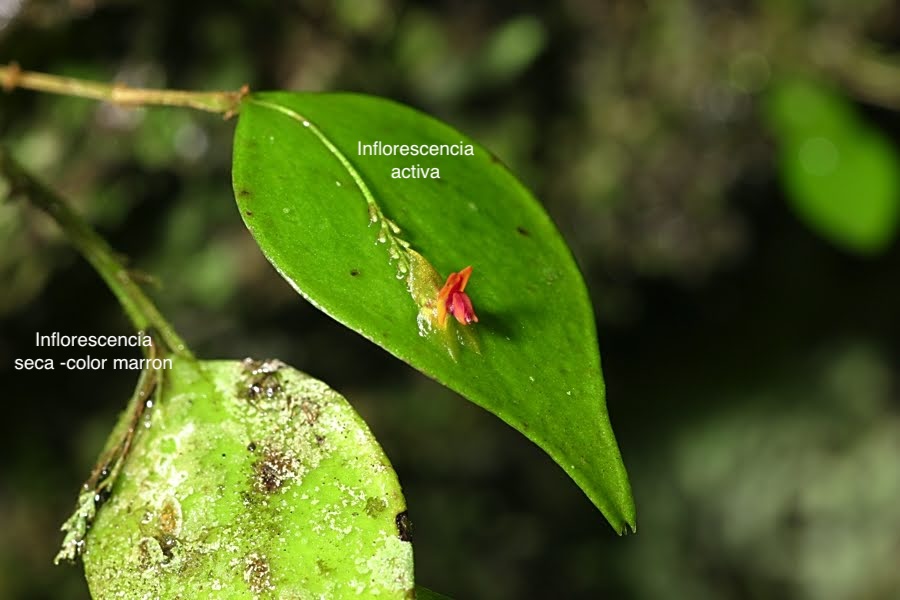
[[452, 299]]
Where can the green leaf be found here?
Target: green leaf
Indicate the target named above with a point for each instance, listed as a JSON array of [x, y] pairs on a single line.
[[841, 175], [513, 48], [372, 251], [252, 480]]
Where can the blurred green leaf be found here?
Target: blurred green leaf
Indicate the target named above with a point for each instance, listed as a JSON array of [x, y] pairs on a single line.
[[841, 175], [798, 108], [513, 48], [328, 220], [252, 480]]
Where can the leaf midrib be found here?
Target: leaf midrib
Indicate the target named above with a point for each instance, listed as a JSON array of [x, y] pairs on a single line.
[[388, 228]]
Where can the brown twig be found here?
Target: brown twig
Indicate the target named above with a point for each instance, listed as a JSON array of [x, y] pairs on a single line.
[[225, 103]]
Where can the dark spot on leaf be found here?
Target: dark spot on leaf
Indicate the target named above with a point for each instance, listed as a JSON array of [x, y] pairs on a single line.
[[251, 446], [310, 410], [523, 231], [404, 526], [258, 574], [354, 272], [262, 382], [167, 544], [244, 193], [102, 496], [249, 213], [273, 471], [322, 567], [160, 534], [145, 553], [375, 506]]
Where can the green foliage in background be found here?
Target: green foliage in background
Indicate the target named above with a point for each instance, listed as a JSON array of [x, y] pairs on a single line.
[[361, 245], [841, 175], [638, 127]]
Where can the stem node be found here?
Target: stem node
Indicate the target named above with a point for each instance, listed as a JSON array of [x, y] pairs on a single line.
[[11, 78]]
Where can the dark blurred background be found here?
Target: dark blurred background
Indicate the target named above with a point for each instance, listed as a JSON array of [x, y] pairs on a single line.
[[726, 173]]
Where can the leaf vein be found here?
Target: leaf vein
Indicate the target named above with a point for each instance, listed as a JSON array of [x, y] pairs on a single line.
[[398, 248]]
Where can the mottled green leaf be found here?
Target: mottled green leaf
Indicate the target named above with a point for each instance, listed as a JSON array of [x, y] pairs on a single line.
[[372, 251], [250, 480]]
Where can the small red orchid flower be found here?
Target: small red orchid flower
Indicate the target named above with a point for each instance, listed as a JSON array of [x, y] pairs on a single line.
[[452, 299]]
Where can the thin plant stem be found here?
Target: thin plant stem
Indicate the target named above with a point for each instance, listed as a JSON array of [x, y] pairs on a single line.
[[226, 103], [99, 486], [140, 309]]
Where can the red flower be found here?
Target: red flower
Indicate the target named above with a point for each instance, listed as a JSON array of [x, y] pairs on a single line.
[[452, 299]]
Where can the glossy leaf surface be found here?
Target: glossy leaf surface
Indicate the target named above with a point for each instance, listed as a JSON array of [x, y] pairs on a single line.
[[373, 251], [251, 480]]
